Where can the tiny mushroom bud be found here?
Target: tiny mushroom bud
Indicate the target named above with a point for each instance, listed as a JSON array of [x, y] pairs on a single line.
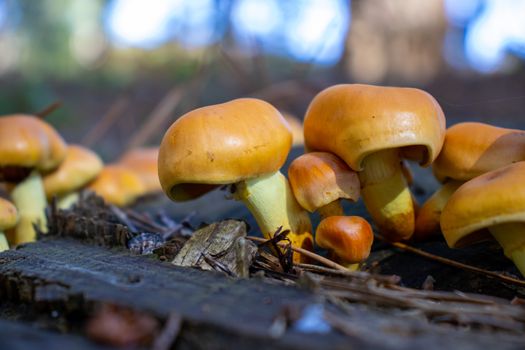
[[8, 219], [118, 185], [28, 147], [470, 149], [243, 142], [144, 162], [349, 238], [79, 168], [371, 128], [320, 179], [493, 201]]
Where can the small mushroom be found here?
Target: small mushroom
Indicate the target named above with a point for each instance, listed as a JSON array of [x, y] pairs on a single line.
[[244, 143], [28, 147], [470, 149], [371, 128], [348, 238], [296, 126], [8, 219], [493, 201], [118, 185], [319, 180], [144, 162], [80, 166]]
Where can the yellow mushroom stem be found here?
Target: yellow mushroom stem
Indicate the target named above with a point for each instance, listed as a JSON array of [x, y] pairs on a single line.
[[271, 201], [386, 194], [331, 209], [350, 266], [3, 242], [30, 199], [511, 237], [66, 201], [429, 214]]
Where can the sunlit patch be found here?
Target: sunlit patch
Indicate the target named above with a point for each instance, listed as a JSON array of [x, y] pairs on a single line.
[[149, 24], [493, 29], [307, 30]]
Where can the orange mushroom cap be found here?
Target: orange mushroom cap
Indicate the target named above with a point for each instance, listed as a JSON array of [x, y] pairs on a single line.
[[497, 197], [296, 126], [472, 149], [80, 166], [28, 142], [222, 144], [349, 237], [118, 185], [354, 121], [144, 162], [319, 178]]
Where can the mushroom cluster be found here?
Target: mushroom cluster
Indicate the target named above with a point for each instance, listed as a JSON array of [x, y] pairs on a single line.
[[36, 165], [357, 139]]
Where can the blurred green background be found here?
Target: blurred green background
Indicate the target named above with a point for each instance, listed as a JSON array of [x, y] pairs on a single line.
[[123, 70]]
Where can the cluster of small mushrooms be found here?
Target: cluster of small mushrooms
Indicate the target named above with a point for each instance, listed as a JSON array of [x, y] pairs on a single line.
[[356, 137]]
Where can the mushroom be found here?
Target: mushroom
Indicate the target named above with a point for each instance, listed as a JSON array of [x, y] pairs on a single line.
[[493, 201], [8, 219], [296, 126], [118, 185], [319, 180], [348, 238], [243, 142], [470, 149], [28, 146], [80, 166], [371, 128], [143, 161]]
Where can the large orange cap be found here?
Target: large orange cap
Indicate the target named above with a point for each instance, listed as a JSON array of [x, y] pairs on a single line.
[[144, 162], [222, 144], [29, 142], [80, 167], [118, 185], [496, 197], [319, 178], [349, 237], [8, 214], [472, 149], [354, 120]]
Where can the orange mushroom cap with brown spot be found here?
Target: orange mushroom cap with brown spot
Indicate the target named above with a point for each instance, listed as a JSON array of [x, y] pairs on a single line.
[[319, 178], [472, 149], [349, 237], [79, 168], [354, 121], [222, 144]]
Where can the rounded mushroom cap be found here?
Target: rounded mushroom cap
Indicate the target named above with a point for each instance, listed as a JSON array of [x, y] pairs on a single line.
[[354, 120], [472, 149], [222, 144], [80, 167], [496, 197], [319, 178], [8, 215], [144, 162], [349, 237], [29, 142], [118, 185]]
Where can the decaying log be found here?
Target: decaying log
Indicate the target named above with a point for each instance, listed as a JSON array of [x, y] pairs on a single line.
[[216, 311]]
